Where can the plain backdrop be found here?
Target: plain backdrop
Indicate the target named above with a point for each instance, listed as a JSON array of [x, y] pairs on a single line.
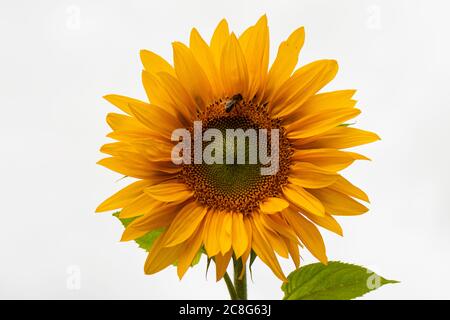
[[58, 58]]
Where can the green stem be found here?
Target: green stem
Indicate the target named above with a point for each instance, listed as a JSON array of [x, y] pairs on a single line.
[[231, 290], [240, 283]]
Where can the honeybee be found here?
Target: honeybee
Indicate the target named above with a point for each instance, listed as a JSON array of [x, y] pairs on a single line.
[[229, 105]]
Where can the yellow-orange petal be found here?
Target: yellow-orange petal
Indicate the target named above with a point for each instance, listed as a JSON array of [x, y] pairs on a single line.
[[294, 252], [344, 186], [218, 40], [277, 224], [222, 261], [191, 248], [191, 75], [161, 257], [327, 222], [273, 239], [285, 61], [141, 205], [225, 224], [339, 138], [211, 237], [154, 63], [124, 196], [328, 159], [308, 233], [156, 119], [265, 252], [233, 69], [255, 46], [303, 199], [184, 224], [337, 203], [303, 84], [273, 205], [122, 102], [118, 121], [315, 124], [169, 192], [239, 235], [307, 175], [205, 58], [130, 169], [159, 217]]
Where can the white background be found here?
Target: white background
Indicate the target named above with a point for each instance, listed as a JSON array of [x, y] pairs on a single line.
[[55, 67]]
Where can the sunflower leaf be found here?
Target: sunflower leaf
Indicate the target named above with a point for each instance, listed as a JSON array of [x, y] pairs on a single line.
[[146, 241], [335, 281]]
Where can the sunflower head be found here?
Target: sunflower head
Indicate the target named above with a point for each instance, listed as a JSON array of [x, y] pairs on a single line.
[[228, 209]]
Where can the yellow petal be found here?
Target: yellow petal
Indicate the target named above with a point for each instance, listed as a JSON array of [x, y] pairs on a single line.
[[218, 40], [127, 168], [264, 251], [239, 235], [328, 159], [153, 117], [180, 97], [225, 224], [124, 196], [159, 217], [344, 186], [191, 248], [327, 222], [322, 102], [286, 60], [272, 205], [161, 257], [155, 94], [307, 175], [130, 234], [184, 224], [249, 231], [123, 122], [303, 199], [154, 63], [205, 58], [275, 242], [315, 124], [122, 102], [339, 138], [337, 203], [234, 69], [294, 252], [222, 262], [211, 239], [169, 192], [303, 84], [139, 206], [134, 135], [191, 75], [277, 224], [308, 234], [117, 147], [255, 46]]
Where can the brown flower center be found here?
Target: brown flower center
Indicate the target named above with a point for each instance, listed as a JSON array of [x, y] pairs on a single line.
[[237, 187]]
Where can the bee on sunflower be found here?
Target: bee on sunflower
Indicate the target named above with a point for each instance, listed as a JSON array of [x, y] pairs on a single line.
[[231, 212]]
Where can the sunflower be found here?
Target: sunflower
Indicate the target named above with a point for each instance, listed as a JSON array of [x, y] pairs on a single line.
[[232, 211]]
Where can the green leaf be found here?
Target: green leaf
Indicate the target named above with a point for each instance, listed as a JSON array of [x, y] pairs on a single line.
[[335, 281], [146, 241], [252, 259]]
